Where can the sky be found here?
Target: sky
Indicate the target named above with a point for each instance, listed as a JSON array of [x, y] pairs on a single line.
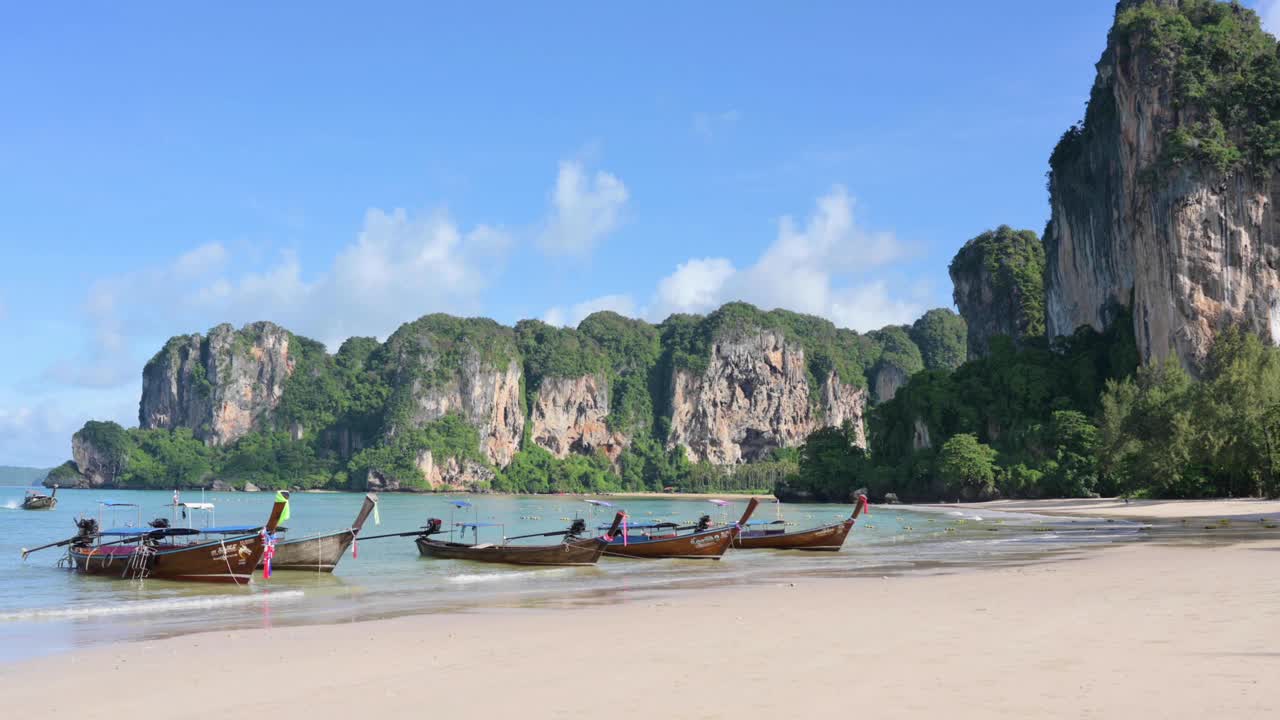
[[342, 170]]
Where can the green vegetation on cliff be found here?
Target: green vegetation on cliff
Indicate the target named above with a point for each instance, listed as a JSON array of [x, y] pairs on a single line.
[[1224, 73], [1001, 272], [941, 336]]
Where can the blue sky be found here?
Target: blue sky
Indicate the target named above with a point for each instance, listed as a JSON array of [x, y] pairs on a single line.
[[343, 170]]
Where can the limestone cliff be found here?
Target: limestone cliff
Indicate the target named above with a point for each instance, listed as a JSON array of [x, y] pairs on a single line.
[[999, 287], [441, 365], [568, 415], [754, 397], [1164, 197], [449, 473], [221, 386]]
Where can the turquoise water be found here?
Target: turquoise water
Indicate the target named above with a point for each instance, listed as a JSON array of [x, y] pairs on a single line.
[[45, 609]]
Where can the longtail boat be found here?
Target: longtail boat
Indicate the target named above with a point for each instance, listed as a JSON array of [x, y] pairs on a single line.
[[155, 552], [35, 500], [772, 534], [666, 540], [321, 553], [571, 550]]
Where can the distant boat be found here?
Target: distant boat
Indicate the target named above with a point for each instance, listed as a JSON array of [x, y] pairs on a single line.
[[35, 500], [151, 552], [772, 534], [664, 540], [571, 550]]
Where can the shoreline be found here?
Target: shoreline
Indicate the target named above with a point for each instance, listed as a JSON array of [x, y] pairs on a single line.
[[1144, 510], [1171, 632]]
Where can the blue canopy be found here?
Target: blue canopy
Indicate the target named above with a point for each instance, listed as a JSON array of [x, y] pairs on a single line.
[[461, 504], [477, 525], [767, 522], [156, 532], [126, 532], [109, 503], [231, 529]]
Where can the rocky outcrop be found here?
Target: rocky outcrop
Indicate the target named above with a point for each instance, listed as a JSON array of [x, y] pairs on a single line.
[[1191, 245], [568, 416], [98, 467], [752, 398], [885, 380], [999, 287], [438, 371], [449, 473], [221, 386]]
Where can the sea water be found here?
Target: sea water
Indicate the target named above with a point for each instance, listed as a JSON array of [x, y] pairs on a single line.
[[45, 608]]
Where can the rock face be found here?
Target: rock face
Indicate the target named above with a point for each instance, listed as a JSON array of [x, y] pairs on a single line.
[[448, 474], [436, 375], [998, 280], [568, 415], [1190, 248], [97, 467], [752, 398], [885, 381], [221, 386]]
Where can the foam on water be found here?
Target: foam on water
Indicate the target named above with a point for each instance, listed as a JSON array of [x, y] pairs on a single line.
[[143, 607], [505, 575]]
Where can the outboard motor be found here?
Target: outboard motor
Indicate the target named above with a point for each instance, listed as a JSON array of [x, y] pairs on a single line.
[[578, 527], [433, 526], [704, 522], [159, 523], [88, 529]]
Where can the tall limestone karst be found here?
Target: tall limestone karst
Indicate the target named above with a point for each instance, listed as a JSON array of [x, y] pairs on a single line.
[[1164, 198], [999, 286], [222, 385]]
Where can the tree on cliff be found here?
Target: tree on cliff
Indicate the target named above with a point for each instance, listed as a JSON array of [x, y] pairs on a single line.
[[999, 287], [942, 337]]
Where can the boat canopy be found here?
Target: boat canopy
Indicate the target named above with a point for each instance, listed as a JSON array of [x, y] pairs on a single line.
[[766, 522], [647, 526], [461, 504], [110, 503], [231, 529], [196, 505], [600, 503], [158, 532], [721, 503], [477, 525]]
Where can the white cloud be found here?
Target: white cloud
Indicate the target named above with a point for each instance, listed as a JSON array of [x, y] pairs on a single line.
[[709, 125], [1269, 11], [696, 286], [401, 265], [570, 317], [584, 210], [807, 268]]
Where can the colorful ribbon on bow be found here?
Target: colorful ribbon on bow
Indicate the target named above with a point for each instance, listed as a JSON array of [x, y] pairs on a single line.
[[270, 540]]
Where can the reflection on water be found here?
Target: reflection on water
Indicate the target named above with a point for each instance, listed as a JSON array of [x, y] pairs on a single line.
[[46, 609]]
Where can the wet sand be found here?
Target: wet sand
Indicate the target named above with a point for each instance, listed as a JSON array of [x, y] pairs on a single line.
[[1236, 509], [1139, 630]]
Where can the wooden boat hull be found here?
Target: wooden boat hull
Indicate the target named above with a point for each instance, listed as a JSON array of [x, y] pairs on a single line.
[[41, 502], [316, 554], [706, 545], [226, 561], [827, 538], [572, 552]]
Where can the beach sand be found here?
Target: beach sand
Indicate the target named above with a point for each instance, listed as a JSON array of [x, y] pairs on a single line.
[[1144, 630]]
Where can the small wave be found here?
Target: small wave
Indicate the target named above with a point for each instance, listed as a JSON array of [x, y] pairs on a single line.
[[468, 578], [10, 504], [142, 607]]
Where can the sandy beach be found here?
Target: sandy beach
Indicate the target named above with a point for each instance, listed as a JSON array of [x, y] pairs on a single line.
[[1139, 630]]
